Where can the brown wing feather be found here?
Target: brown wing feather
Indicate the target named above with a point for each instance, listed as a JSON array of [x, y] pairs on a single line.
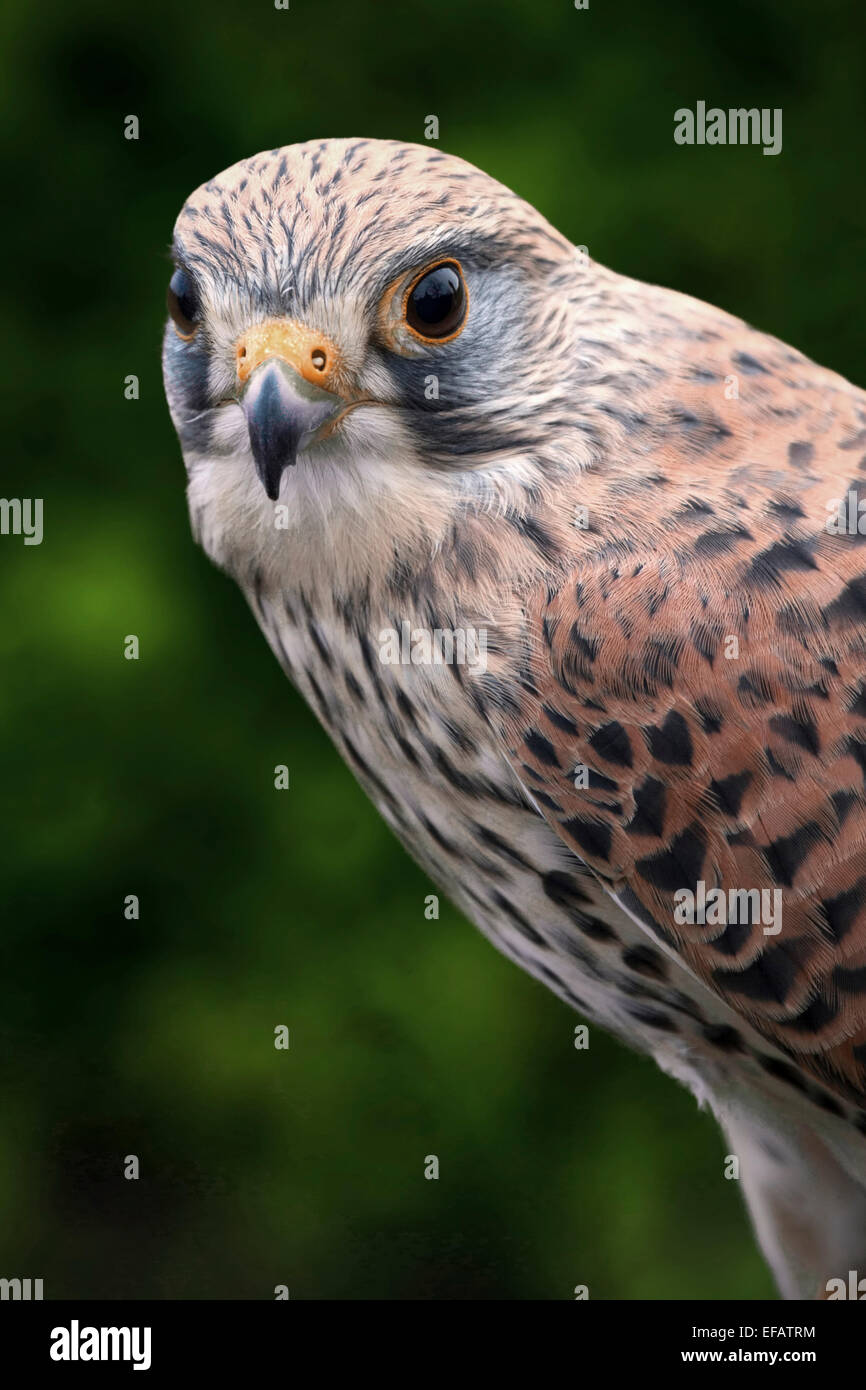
[[713, 684]]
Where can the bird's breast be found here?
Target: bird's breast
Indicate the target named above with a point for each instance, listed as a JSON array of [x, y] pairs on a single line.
[[422, 749]]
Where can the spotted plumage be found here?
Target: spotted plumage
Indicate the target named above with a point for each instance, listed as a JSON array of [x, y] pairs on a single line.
[[632, 496]]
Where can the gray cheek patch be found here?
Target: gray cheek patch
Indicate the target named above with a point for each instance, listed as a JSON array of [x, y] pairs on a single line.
[[185, 370]]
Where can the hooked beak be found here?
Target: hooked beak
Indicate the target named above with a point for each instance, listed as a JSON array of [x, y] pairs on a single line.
[[284, 412], [291, 383]]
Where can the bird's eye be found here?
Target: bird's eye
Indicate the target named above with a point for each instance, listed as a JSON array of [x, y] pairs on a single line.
[[435, 306], [183, 302]]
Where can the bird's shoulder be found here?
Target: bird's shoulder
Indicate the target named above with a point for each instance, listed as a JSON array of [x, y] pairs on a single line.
[[684, 724]]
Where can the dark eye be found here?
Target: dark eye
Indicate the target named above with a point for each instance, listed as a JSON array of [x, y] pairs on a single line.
[[436, 303], [183, 302]]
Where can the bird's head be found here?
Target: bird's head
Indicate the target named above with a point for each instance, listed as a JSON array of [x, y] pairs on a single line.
[[359, 324]]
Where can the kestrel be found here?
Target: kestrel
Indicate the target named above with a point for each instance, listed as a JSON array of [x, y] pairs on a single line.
[[415, 416]]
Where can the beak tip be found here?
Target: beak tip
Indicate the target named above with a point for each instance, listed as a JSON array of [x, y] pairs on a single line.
[[281, 418], [270, 473]]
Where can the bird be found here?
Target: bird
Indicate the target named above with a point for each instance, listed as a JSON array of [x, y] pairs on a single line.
[[632, 747]]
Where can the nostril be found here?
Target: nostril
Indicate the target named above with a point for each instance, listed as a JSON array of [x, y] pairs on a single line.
[[319, 359], [242, 352]]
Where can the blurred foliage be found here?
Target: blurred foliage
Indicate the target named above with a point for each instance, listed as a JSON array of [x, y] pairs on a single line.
[[154, 777]]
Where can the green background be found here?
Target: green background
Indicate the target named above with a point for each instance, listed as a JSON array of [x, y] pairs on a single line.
[[155, 777]]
